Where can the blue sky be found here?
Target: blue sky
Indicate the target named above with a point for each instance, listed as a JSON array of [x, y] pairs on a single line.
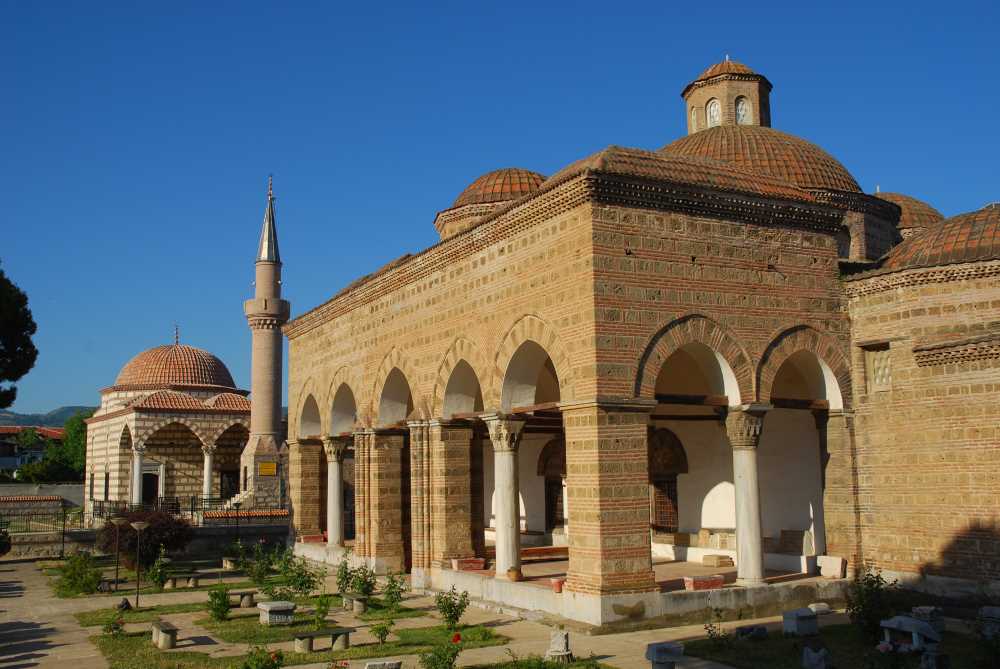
[[137, 138]]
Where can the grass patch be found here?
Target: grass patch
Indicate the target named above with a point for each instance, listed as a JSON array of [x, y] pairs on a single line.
[[536, 662], [846, 650], [247, 629], [377, 610], [129, 651], [145, 614]]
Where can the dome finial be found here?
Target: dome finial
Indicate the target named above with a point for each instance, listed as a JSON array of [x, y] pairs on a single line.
[[177, 334], [270, 190], [267, 250]]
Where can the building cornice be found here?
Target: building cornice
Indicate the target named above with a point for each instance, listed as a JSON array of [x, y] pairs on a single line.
[[970, 349], [881, 280]]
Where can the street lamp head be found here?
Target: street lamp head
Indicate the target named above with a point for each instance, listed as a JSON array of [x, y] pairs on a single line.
[[118, 521], [139, 525], [236, 505]]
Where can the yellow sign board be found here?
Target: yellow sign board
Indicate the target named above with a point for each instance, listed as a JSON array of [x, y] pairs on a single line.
[[267, 468]]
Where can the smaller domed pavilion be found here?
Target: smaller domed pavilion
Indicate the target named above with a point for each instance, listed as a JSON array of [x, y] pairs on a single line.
[[168, 433]]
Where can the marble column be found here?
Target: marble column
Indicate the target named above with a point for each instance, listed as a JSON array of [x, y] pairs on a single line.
[[743, 427], [137, 475], [505, 433], [206, 475], [335, 449]]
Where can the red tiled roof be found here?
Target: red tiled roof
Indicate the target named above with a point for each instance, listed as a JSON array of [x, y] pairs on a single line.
[[44, 432], [677, 168], [725, 67], [175, 364], [500, 186], [916, 214], [171, 400], [970, 237], [230, 401], [768, 151]]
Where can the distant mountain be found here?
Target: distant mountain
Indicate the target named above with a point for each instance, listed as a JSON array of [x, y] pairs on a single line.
[[54, 418]]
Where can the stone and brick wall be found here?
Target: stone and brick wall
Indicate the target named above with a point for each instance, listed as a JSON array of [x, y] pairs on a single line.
[[928, 445]]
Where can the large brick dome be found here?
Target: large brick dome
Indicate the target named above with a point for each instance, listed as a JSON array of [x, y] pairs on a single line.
[[771, 152], [509, 183], [916, 214], [175, 365], [970, 237]]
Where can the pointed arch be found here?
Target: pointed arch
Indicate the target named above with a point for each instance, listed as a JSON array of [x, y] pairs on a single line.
[[344, 377], [531, 328], [830, 354], [463, 350], [227, 425], [310, 421], [696, 328], [395, 359], [140, 441], [306, 390]]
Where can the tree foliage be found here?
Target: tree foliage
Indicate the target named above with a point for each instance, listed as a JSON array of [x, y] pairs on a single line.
[[17, 352], [173, 534], [62, 462]]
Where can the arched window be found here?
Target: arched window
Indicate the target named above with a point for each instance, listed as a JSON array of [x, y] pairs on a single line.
[[743, 111], [714, 113], [667, 459], [694, 119]]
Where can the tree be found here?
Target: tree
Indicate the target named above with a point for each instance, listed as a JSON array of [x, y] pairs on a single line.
[[74, 446], [17, 353]]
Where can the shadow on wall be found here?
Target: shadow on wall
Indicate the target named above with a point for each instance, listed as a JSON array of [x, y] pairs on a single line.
[[972, 554]]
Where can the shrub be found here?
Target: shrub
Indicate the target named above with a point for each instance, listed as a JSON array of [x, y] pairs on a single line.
[[79, 575], [392, 593], [158, 573], [344, 573], [381, 630], [258, 567], [321, 611], [451, 606], [363, 581], [218, 603], [443, 655], [295, 577], [869, 602], [114, 627], [260, 657], [174, 534]]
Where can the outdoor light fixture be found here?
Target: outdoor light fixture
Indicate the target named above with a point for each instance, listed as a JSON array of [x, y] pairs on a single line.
[[117, 521], [138, 526]]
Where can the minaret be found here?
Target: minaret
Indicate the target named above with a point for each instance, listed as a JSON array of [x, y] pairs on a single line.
[[266, 313]]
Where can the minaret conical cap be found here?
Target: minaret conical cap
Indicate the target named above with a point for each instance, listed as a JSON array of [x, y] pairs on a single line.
[[268, 250]]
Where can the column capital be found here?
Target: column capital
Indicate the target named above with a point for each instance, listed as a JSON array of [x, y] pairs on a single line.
[[139, 447], [505, 433], [336, 447], [209, 449], [744, 425]]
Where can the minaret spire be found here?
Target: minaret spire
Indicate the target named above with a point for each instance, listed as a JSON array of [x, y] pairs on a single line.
[[268, 249]]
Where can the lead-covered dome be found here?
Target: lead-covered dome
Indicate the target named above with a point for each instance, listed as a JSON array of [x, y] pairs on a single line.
[[501, 185], [768, 151], [970, 237], [175, 365], [916, 215]]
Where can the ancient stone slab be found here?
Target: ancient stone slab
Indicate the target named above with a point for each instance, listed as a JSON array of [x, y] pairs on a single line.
[[717, 561], [559, 648], [664, 654], [276, 613], [820, 608], [831, 566], [799, 622], [704, 582], [906, 629]]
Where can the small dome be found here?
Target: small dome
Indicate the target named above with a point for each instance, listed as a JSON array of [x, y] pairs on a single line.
[[500, 186], [768, 151], [970, 237], [916, 214], [175, 365], [725, 67]]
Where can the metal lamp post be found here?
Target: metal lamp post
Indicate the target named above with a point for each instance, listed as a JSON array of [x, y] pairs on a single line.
[[138, 526], [117, 521], [236, 505]]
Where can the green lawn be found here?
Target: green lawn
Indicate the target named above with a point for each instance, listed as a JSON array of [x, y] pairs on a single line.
[[379, 611], [540, 663], [846, 650], [145, 614], [136, 650]]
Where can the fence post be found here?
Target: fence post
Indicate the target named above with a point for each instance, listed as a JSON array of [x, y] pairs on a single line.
[[62, 547]]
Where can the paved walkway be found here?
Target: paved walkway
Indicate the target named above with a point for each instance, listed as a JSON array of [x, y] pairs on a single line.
[[37, 629]]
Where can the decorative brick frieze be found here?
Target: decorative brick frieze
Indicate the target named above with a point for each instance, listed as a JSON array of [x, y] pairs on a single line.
[[986, 347]]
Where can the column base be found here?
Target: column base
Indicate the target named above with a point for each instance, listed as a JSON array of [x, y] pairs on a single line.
[[750, 582]]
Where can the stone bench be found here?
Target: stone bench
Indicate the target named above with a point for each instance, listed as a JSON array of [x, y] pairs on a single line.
[[192, 580], [246, 597], [276, 613], [340, 638], [164, 635]]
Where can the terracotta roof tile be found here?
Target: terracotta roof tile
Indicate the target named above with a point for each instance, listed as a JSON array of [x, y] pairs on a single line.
[[695, 171], [964, 238], [768, 151], [175, 364], [916, 214], [171, 400], [500, 186], [230, 401], [725, 67]]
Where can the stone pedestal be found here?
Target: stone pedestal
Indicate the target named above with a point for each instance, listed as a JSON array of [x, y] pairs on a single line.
[[559, 651], [664, 655], [799, 622], [276, 613]]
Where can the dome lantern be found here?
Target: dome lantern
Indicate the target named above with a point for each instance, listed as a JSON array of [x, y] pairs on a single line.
[[727, 93]]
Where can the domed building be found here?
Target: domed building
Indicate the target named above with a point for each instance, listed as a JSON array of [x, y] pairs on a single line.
[[720, 352], [172, 427]]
